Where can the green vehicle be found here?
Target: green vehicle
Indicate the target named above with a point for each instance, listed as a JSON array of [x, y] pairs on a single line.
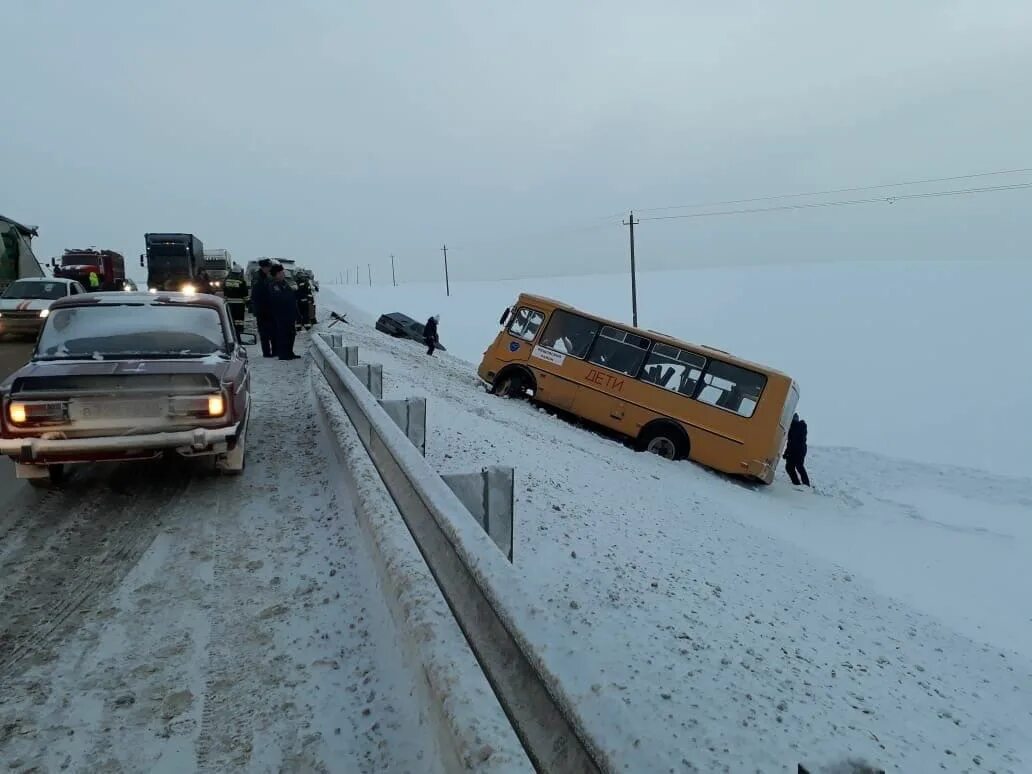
[[17, 260]]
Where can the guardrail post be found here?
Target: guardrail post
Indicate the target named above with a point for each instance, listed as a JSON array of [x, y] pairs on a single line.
[[371, 375], [410, 415], [490, 496], [348, 354]]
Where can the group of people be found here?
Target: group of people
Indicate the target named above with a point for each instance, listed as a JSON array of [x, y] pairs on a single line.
[[275, 307]]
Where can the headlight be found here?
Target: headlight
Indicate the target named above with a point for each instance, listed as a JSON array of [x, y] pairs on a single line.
[[44, 313], [189, 290], [152, 290]]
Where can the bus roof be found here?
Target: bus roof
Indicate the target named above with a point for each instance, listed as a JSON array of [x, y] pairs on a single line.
[[656, 335]]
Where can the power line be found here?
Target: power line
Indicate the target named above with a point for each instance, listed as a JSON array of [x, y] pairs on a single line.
[[839, 190], [847, 202]]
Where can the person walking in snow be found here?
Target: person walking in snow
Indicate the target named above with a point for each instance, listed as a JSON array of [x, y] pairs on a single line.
[[430, 334], [795, 452]]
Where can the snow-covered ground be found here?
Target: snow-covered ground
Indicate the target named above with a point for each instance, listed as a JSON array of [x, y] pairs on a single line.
[[926, 361], [734, 628], [151, 620]]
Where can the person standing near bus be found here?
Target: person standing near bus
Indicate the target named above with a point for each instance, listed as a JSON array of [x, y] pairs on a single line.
[[795, 452]]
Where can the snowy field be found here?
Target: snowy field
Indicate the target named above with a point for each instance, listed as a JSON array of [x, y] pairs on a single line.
[[154, 621], [885, 617], [923, 361]]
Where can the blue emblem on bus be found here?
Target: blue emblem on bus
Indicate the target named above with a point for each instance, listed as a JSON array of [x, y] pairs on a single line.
[[514, 346]]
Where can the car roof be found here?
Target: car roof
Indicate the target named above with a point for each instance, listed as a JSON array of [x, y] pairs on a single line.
[[399, 317], [61, 280], [138, 298]]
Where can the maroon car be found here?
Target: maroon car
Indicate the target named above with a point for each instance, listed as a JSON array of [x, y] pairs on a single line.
[[128, 376]]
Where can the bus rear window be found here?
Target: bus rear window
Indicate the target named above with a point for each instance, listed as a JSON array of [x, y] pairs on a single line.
[[731, 388]]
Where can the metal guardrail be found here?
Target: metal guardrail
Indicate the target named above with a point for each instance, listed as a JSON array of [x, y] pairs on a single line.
[[537, 705]]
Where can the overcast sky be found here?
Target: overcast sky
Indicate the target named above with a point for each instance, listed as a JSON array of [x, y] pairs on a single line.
[[340, 132]]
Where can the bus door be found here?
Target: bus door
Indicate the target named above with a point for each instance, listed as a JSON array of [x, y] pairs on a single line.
[[558, 358]]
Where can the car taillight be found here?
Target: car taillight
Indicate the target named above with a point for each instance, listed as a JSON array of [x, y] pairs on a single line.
[[216, 406], [31, 413], [207, 406]]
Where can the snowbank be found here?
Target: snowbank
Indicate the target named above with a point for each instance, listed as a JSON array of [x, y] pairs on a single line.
[[731, 627], [916, 360]]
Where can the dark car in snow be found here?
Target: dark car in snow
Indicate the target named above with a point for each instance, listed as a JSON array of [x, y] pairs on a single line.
[[402, 326], [128, 376]]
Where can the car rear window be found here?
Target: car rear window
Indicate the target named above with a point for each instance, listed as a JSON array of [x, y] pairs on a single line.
[[132, 330], [36, 289]]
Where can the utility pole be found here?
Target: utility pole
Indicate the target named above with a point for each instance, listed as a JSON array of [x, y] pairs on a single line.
[[631, 222], [369, 268], [358, 276], [347, 277], [394, 277], [447, 284]]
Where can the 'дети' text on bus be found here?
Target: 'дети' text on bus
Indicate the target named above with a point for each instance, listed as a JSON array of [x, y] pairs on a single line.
[[672, 398]]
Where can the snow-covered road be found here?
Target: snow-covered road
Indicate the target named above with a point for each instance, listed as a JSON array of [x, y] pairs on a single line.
[[154, 620], [744, 629]]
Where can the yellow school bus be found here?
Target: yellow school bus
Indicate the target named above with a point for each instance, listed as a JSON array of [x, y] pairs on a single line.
[[672, 398]]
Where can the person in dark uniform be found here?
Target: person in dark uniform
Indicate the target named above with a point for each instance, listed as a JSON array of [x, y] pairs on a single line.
[[795, 452], [236, 298], [430, 334], [285, 314], [305, 302], [261, 306]]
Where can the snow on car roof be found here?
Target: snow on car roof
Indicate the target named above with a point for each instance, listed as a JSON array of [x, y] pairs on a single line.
[[139, 298]]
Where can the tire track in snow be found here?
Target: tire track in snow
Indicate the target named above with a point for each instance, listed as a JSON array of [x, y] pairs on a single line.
[[75, 550]]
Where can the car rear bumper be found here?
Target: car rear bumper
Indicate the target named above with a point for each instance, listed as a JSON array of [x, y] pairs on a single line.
[[21, 324], [41, 450]]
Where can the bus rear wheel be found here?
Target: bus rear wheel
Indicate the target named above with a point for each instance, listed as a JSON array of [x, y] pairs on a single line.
[[665, 441]]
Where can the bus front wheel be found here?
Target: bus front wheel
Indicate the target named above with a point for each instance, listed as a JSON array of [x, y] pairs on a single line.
[[665, 440], [511, 384]]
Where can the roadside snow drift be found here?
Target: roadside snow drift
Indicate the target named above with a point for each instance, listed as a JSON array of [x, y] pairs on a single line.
[[884, 617]]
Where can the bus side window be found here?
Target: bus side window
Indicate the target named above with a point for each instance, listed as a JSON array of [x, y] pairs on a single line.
[[569, 333], [619, 350], [674, 369], [732, 388]]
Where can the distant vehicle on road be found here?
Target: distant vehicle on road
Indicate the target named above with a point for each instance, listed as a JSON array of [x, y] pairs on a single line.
[[25, 304], [672, 398], [174, 262], [128, 376], [402, 327], [218, 263], [107, 265], [17, 260]]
